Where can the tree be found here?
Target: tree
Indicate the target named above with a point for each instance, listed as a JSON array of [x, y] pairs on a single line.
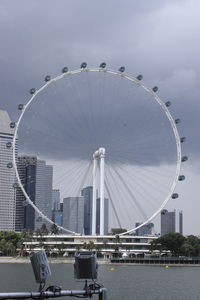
[[44, 230], [191, 247], [10, 242], [172, 242], [54, 229], [89, 246]]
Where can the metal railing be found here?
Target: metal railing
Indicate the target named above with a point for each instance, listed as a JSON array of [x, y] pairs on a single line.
[[102, 292]]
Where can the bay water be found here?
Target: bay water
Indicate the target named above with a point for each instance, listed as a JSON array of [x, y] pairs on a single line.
[[123, 282]]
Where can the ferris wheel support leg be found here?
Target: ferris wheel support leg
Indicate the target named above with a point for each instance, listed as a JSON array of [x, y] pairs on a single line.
[[102, 191], [94, 197]]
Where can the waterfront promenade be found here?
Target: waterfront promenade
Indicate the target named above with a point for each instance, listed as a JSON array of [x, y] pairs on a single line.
[[162, 261]]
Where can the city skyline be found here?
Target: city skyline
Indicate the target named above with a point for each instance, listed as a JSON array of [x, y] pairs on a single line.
[[37, 179]]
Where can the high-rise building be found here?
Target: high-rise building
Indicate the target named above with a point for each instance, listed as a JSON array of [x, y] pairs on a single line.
[[56, 199], [36, 177], [25, 213], [171, 221], [73, 214], [106, 216], [87, 193], [144, 230], [44, 185], [7, 174], [56, 207]]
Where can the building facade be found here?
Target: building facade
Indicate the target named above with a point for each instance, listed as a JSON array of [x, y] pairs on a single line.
[[36, 177], [144, 230], [25, 213], [7, 175], [43, 194], [56, 207], [171, 221], [87, 193], [73, 214]]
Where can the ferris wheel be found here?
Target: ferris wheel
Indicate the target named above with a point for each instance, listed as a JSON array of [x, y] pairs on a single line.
[[106, 130]]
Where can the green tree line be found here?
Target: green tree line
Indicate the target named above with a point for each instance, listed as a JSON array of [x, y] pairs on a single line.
[[177, 244]]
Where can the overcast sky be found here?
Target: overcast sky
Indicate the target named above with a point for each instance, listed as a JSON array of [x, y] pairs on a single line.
[[159, 39]]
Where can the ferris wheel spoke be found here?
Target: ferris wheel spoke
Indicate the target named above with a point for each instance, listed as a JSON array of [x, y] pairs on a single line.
[[113, 206], [117, 192], [133, 198], [84, 176], [72, 186], [144, 193], [136, 173], [70, 113]]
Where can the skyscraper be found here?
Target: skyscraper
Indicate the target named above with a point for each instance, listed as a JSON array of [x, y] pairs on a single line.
[[7, 174], [87, 193], [25, 213], [56, 199], [171, 221], [73, 214], [106, 216], [36, 177], [44, 182], [56, 207]]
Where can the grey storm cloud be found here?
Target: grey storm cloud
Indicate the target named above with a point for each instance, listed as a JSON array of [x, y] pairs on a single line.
[[158, 39]]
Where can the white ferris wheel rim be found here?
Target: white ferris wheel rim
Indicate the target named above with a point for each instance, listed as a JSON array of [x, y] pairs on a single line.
[[135, 81]]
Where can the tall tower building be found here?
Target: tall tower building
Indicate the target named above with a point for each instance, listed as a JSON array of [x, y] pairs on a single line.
[[56, 199], [56, 207], [43, 194], [73, 214], [25, 213], [7, 175], [87, 193], [171, 221], [36, 177], [106, 216]]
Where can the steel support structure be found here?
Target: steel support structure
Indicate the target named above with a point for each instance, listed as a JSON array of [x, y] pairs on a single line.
[[98, 157]]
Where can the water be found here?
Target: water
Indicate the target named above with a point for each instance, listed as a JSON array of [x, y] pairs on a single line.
[[125, 283]]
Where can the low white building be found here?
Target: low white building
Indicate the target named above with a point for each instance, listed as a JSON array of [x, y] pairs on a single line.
[[105, 245]]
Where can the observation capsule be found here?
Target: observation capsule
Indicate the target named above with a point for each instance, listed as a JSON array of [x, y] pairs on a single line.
[[12, 125], [8, 145], [184, 158], [155, 89], [183, 139], [102, 65], [9, 165], [177, 121], [174, 196], [181, 178], [32, 91], [163, 212], [83, 65], [139, 77], [15, 185], [20, 106], [25, 203], [47, 78], [38, 219], [121, 69], [65, 70], [168, 103]]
